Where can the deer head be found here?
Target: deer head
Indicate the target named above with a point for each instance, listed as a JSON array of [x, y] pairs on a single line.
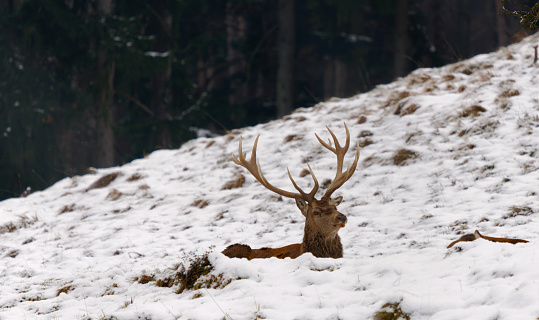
[[322, 219]]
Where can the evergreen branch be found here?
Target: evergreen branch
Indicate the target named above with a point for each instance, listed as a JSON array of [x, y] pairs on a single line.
[[136, 101]]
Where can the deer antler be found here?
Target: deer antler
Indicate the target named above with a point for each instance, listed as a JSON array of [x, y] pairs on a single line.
[[253, 166], [340, 177]]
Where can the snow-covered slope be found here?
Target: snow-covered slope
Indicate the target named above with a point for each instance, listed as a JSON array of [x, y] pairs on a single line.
[[444, 152]]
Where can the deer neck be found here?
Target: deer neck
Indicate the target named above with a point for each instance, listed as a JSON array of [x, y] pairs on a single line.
[[320, 245]]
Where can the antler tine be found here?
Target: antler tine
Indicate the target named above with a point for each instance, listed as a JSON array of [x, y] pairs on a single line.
[[310, 196], [338, 150], [326, 145], [253, 166], [340, 177]]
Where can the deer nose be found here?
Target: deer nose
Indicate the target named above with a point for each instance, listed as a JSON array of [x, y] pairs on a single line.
[[342, 218]]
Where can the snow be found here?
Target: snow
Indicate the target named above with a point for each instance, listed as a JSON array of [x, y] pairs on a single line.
[[75, 252]]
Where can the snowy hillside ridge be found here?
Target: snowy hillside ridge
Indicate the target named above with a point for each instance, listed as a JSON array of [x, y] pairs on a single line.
[[444, 152]]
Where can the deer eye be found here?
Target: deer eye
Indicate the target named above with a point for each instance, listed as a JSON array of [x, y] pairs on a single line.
[[316, 212]]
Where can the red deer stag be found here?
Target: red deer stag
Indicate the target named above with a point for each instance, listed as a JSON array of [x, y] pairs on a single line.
[[322, 220]]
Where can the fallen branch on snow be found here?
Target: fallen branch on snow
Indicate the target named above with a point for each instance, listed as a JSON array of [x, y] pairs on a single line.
[[477, 235]]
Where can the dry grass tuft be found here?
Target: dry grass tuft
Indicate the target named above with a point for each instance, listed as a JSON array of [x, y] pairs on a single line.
[[67, 208], [396, 97], [194, 274], [486, 127], [200, 203], [24, 222], [515, 211], [12, 253], [469, 68], [104, 181], [418, 78], [459, 226], [235, 183], [64, 289], [365, 142], [303, 173], [404, 156], [408, 110], [292, 137], [391, 311], [361, 120], [143, 279], [448, 77], [472, 111], [134, 177], [114, 195], [509, 93]]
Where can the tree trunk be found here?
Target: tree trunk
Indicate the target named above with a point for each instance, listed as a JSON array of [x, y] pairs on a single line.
[[159, 82], [235, 33], [401, 38], [335, 78], [104, 103], [503, 40], [285, 72]]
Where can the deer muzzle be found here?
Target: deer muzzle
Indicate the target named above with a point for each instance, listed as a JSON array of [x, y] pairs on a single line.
[[341, 218]]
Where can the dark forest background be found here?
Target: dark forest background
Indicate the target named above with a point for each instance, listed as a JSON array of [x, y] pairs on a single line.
[[98, 83]]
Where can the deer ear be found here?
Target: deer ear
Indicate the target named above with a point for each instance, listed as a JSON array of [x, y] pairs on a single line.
[[336, 201], [302, 205]]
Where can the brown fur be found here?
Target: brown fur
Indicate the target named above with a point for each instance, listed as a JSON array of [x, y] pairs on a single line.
[[322, 222]]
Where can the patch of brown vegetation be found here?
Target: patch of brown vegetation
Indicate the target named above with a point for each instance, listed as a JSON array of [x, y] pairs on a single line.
[[459, 226], [134, 177], [395, 98], [196, 275], [303, 173], [23, 222], [209, 144], [12, 253], [391, 311], [104, 181], [67, 208], [403, 157], [199, 203], [361, 120], [484, 127], [114, 195], [518, 211], [235, 183], [64, 289], [448, 77], [409, 110], [431, 87], [124, 210], [509, 93], [418, 78], [365, 142], [143, 279], [325, 184], [468, 68], [473, 111], [292, 137]]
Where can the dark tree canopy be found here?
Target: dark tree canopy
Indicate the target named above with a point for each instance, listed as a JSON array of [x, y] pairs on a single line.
[[102, 82]]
